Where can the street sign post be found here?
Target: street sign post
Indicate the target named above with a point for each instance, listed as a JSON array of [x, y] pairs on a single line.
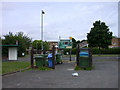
[[65, 43]]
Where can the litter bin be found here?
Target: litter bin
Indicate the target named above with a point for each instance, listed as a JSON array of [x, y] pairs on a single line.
[[84, 59], [58, 58], [44, 58], [49, 60], [39, 60]]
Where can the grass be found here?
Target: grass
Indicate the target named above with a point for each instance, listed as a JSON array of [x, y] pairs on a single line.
[[69, 56], [106, 55], [80, 68], [96, 55], [13, 66], [106, 60]]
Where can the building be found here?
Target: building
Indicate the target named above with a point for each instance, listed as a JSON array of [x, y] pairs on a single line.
[[12, 51], [51, 43], [83, 44], [115, 43]]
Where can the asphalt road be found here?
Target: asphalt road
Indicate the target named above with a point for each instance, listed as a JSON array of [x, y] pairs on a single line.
[[104, 75]]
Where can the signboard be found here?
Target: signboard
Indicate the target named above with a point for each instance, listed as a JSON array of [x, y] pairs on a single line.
[[65, 43]]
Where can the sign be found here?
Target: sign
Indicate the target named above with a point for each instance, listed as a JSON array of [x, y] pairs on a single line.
[[70, 37], [65, 43]]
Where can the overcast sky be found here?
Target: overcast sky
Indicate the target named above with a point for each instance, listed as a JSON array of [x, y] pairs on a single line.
[[63, 19]]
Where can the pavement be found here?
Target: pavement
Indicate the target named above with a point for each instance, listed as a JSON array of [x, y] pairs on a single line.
[[104, 75]]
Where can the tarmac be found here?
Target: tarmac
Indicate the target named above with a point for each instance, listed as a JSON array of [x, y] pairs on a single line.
[[104, 75]]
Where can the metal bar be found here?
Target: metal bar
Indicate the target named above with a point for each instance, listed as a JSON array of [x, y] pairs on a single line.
[[70, 54], [42, 30]]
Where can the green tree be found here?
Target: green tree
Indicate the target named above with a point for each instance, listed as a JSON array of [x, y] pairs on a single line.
[[78, 42], [73, 43], [37, 45], [99, 35], [23, 42]]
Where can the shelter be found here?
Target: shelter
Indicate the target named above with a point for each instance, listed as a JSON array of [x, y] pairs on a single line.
[[12, 51]]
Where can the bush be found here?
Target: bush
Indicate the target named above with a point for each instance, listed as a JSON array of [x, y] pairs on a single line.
[[95, 50], [73, 51], [106, 51]]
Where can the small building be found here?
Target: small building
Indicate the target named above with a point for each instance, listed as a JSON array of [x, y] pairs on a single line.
[[12, 51], [115, 43]]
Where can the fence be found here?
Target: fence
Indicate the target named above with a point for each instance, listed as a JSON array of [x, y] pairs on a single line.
[[84, 49], [44, 51]]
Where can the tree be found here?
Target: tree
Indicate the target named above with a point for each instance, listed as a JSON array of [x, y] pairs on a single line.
[[78, 42], [37, 45], [99, 36], [23, 42], [73, 43]]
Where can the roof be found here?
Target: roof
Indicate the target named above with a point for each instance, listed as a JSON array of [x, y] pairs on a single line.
[[9, 45]]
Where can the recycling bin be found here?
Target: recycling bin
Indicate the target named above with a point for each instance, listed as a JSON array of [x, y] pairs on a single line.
[[58, 58], [44, 59], [49, 60], [84, 58], [39, 60]]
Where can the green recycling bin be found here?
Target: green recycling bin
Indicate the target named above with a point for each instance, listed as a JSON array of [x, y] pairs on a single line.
[[58, 58], [84, 59], [45, 60], [41, 60]]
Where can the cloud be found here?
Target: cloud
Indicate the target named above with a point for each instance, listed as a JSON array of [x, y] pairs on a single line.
[[60, 19]]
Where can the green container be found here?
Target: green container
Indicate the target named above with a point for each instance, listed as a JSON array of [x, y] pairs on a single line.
[[84, 61], [41, 60], [58, 58]]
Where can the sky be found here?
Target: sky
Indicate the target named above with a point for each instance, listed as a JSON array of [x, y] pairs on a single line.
[[62, 19]]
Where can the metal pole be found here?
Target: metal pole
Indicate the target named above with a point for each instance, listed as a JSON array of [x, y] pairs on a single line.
[[70, 54], [42, 31]]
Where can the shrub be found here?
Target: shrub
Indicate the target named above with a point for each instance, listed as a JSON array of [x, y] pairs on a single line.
[[73, 51], [107, 51]]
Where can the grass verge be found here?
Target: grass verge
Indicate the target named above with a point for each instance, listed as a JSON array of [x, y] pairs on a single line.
[[80, 68], [13, 66], [106, 55]]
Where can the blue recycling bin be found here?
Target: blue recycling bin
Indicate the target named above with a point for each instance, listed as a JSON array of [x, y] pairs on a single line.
[[83, 53], [84, 59], [49, 60]]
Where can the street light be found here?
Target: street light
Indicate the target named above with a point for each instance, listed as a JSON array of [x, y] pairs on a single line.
[[42, 29]]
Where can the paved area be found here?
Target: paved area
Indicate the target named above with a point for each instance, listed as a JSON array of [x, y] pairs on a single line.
[[104, 75]]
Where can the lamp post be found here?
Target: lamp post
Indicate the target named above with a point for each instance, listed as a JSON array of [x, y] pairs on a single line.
[[42, 29]]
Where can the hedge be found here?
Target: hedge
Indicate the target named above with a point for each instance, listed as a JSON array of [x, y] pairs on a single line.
[[73, 51], [96, 51], [107, 51]]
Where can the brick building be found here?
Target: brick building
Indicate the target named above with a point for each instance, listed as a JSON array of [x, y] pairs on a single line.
[[51, 43], [115, 43]]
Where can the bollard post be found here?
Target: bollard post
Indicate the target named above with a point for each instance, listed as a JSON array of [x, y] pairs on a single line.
[[32, 57], [53, 57], [77, 56]]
